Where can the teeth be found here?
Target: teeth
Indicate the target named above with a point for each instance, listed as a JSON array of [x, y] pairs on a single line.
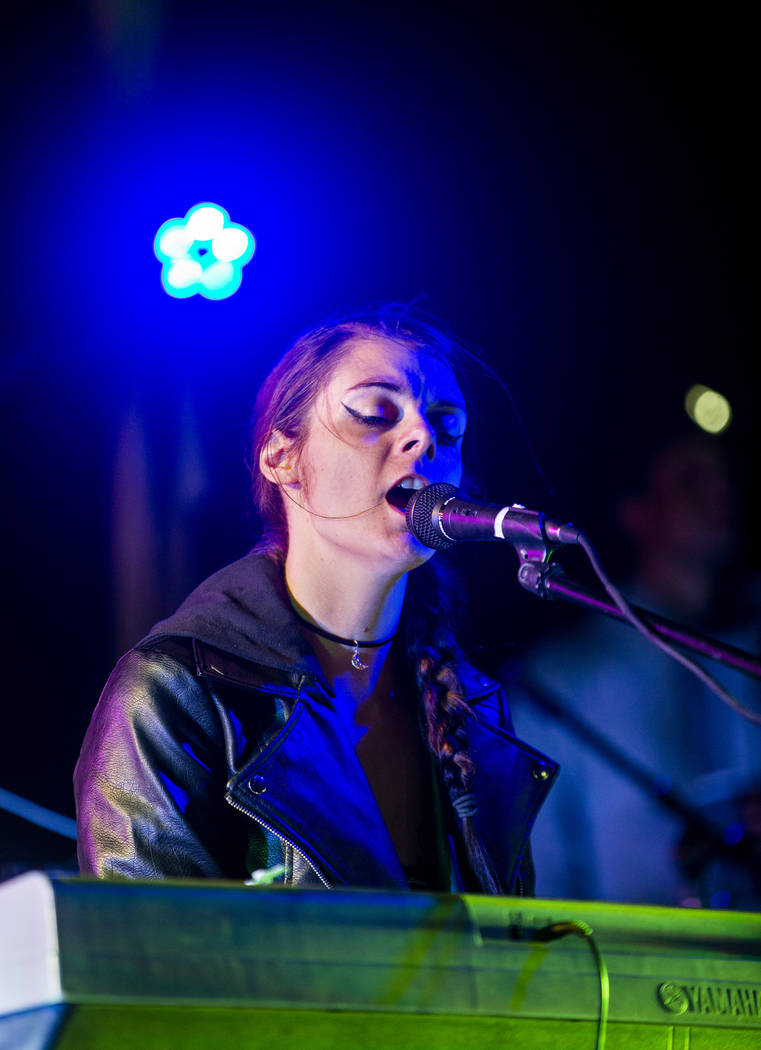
[[412, 483]]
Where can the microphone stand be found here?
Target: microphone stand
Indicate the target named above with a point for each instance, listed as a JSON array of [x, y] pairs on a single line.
[[546, 579], [702, 840]]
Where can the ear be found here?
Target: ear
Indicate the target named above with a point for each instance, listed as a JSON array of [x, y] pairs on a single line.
[[277, 460]]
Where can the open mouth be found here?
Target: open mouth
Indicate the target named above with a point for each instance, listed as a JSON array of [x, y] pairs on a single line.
[[401, 493]]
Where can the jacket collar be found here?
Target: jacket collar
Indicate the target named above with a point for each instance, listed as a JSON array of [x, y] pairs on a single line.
[[242, 616], [326, 809], [244, 632], [243, 613]]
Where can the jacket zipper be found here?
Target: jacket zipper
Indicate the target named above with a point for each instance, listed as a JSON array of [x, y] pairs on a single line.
[[268, 827]]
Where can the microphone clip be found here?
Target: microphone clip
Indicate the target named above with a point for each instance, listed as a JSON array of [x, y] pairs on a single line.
[[536, 573]]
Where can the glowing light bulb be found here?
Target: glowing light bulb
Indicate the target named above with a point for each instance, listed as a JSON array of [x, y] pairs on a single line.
[[708, 408], [230, 244], [203, 254], [217, 275], [183, 273], [175, 241], [205, 222]]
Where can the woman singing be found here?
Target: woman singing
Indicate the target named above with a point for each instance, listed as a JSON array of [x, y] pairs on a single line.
[[306, 713]]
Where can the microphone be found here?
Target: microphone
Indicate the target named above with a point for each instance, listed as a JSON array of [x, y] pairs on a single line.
[[439, 519]]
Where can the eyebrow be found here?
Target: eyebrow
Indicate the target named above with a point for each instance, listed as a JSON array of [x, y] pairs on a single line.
[[386, 383], [383, 383], [445, 408]]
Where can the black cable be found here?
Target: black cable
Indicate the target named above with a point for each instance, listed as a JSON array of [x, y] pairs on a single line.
[[626, 610], [579, 928]]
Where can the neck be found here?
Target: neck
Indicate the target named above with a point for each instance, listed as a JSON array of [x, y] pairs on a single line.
[[354, 603], [348, 600]]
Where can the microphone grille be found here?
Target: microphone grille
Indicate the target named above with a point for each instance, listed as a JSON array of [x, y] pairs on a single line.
[[420, 511]]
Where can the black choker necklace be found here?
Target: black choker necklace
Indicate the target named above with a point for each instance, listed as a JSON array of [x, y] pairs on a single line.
[[355, 644]]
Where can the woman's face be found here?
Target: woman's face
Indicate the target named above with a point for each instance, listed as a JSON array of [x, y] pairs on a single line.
[[389, 420]]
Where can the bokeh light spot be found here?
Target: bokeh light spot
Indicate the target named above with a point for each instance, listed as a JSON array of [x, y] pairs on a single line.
[[217, 275], [708, 408], [175, 241], [205, 222], [721, 899], [230, 244], [183, 273], [204, 253]]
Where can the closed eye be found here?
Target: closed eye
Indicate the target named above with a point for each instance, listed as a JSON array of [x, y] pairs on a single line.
[[369, 421], [446, 438], [449, 426]]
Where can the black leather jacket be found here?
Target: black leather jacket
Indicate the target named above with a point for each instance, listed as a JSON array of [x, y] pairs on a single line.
[[215, 751]]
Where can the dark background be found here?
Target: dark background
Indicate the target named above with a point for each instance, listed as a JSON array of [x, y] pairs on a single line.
[[569, 188]]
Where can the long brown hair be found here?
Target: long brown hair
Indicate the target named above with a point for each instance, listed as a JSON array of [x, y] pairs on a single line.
[[283, 405]]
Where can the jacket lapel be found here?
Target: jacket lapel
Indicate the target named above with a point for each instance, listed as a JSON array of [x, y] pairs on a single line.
[[510, 784], [309, 787]]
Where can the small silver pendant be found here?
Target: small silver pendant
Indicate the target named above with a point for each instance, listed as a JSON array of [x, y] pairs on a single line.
[[355, 660]]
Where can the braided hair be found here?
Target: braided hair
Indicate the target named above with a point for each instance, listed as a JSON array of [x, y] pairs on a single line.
[[433, 654], [282, 405]]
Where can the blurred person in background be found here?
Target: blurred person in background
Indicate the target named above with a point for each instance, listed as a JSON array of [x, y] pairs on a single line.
[[603, 835]]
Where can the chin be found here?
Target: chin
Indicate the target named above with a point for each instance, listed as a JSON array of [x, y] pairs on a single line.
[[415, 553], [393, 556]]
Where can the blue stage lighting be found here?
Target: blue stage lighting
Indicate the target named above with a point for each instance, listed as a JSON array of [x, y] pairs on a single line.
[[203, 254]]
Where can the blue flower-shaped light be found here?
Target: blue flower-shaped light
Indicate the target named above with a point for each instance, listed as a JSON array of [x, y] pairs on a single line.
[[203, 254]]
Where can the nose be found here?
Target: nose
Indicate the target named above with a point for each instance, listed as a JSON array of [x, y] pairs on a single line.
[[419, 439]]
